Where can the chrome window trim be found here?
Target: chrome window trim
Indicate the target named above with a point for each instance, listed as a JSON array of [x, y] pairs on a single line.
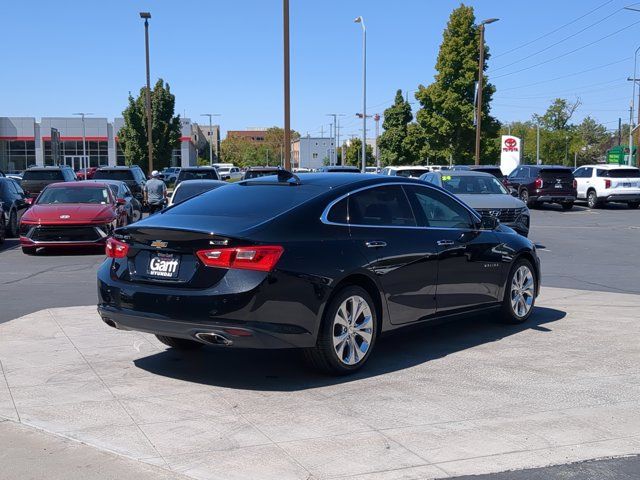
[[325, 213]]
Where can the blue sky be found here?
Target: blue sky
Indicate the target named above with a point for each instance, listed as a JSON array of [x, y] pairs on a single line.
[[226, 56]]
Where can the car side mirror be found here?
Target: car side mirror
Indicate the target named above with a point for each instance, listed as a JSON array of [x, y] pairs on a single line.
[[121, 201], [489, 223]]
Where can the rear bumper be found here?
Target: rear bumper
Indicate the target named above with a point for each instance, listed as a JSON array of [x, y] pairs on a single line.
[[623, 197], [550, 198], [244, 335]]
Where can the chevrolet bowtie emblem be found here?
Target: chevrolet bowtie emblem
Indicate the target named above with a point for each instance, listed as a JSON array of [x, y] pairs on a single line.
[[159, 244]]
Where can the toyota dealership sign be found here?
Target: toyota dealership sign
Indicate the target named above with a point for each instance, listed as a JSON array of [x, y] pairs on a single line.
[[510, 151]]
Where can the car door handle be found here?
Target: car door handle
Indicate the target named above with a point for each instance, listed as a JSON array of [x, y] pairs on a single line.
[[376, 244], [445, 243]]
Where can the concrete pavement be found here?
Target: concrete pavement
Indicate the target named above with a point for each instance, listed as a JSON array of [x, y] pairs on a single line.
[[459, 399]]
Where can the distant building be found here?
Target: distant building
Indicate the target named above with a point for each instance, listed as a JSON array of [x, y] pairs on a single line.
[[254, 135], [25, 142], [203, 137], [312, 152]]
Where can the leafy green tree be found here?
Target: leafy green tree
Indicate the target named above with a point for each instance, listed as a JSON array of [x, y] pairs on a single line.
[[165, 128], [354, 154], [558, 114], [447, 113], [243, 152], [393, 143]]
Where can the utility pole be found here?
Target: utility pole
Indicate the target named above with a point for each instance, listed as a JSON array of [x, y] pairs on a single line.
[[480, 87], [630, 158], [335, 135], [338, 142], [330, 149], [360, 20], [619, 130], [287, 89], [538, 144], [376, 117], [147, 16]]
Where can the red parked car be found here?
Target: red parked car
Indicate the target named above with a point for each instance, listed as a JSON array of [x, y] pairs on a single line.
[[86, 172], [78, 214]]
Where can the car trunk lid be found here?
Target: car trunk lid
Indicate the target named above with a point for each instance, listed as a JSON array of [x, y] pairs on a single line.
[[557, 179]]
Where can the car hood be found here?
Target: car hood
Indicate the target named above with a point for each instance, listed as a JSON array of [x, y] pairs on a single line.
[[497, 200], [69, 213]]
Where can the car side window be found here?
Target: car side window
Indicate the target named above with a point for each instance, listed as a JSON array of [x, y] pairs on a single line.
[[338, 213], [588, 172], [381, 206], [515, 173], [435, 209]]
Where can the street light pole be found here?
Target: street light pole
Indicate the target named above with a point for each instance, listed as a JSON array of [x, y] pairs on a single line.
[[376, 117], [287, 89], [210, 115], [147, 16], [480, 87], [360, 20], [84, 164]]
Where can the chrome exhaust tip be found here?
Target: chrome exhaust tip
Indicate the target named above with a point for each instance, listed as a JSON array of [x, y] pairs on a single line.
[[213, 338]]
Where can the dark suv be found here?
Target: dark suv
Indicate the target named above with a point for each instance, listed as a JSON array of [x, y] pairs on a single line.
[[133, 176], [197, 173], [537, 184], [36, 178]]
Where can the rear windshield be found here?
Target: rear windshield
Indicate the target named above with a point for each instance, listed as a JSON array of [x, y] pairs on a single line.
[[43, 175], [556, 171], [248, 200], [198, 175], [259, 173], [97, 195], [411, 173], [472, 185], [619, 173], [187, 190], [114, 175]]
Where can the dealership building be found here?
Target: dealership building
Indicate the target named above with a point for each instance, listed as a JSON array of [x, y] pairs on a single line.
[[24, 142]]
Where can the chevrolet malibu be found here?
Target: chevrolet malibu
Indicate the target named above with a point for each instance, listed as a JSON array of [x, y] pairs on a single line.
[[72, 214], [324, 262]]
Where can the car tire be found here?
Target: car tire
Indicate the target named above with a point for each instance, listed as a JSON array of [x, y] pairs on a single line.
[[524, 196], [29, 250], [180, 343], [567, 205], [3, 230], [345, 343], [634, 205], [12, 228], [592, 199], [519, 293]]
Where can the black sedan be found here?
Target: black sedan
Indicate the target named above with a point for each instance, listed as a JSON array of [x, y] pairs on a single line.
[[13, 204], [121, 191], [325, 263]]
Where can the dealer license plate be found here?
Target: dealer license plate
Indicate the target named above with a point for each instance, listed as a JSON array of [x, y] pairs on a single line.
[[164, 265]]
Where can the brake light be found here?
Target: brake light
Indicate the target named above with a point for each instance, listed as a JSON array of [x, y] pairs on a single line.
[[575, 183], [116, 249], [538, 183], [262, 258], [607, 183]]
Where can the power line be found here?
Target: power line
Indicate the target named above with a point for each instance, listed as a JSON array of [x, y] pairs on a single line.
[[569, 52], [517, 87], [553, 31], [571, 91], [522, 59]]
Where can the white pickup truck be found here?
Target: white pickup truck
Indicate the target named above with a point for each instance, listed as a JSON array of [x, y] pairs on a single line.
[[600, 184]]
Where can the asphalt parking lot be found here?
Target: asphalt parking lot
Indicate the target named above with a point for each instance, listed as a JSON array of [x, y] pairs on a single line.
[[459, 399]]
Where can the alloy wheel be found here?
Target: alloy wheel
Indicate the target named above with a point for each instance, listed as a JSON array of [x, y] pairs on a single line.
[[524, 196], [591, 199], [522, 291], [352, 330]]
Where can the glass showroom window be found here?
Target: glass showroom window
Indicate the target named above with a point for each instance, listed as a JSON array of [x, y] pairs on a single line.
[[17, 155]]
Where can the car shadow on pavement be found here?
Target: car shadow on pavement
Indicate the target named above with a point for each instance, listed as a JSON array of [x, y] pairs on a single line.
[[285, 370]]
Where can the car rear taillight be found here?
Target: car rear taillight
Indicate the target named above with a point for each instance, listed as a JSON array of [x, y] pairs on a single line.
[[262, 258], [607, 183], [29, 200], [116, 249], [575, 183], [538, 183]]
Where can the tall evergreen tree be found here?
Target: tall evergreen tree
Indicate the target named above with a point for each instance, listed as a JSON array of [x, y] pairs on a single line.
[[447, 113], [165, 128], [393, 141]]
